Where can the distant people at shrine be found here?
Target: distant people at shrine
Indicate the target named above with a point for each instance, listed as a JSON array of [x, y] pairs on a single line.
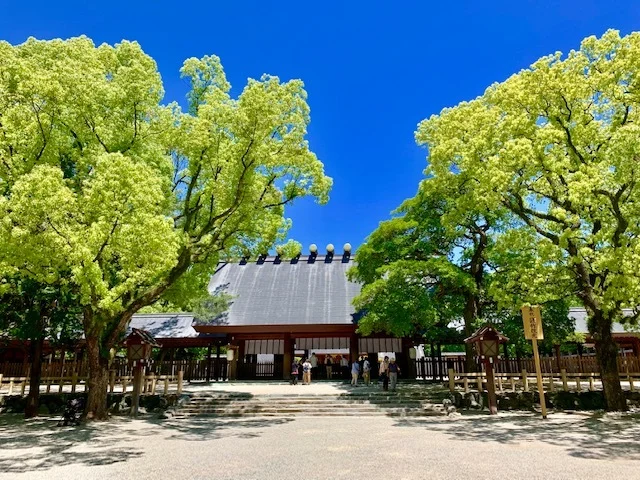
[[306, 372], [384, 373], [394, 369], [344, 367], [294, 373], [366, 371], [314, 365], [329, 367], [355, 372]]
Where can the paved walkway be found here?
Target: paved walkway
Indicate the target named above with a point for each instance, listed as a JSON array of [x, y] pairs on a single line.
[[516, 446]]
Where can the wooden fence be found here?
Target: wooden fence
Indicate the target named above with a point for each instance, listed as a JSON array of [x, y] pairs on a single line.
[[194, 370], [526, 380], [117, 384], [435, 368]]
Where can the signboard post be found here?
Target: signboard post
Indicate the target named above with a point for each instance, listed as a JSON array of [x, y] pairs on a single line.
[[533, 331]]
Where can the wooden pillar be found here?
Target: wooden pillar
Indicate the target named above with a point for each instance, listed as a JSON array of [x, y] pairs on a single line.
[[491, 387], [353, 349], [287, 357], [218, 370], [558, 357], [209, 363], [505, 354], [433, 361], [440, 366]]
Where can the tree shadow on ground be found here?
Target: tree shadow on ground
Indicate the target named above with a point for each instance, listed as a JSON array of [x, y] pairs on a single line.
[[212, 428], [588, 436], [39, 445]]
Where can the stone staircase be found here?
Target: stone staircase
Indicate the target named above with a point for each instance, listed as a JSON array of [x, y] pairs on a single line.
[[365, 402]]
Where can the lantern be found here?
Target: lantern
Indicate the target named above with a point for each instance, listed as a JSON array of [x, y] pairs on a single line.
[[487, 341], [139, 345]]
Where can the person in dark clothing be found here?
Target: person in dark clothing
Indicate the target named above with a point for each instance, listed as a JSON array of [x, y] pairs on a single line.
[[294, 373]]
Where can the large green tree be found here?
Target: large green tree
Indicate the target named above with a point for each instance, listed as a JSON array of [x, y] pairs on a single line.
[[136, 200], [427, 266], [557, 145]]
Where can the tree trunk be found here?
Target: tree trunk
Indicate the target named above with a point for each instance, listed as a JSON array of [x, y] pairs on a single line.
[[469, 315], [607, 355], [35, 373], [96, 408]]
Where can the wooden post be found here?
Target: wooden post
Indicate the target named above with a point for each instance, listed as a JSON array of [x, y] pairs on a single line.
[[452, 380], [591, 385], [578, 383], [513, 383], [10, 386], [138, 375], [552, 386], [208, 378], [491, 388], [465, 381], [525, 381], [166, 385], [74, 381], [218, 370], [479, 382], [180, 377], [565, 387], [536, 357], [23, 386], [112, 381], [153, 383], [500, 384], [631, 386], [123, 378]]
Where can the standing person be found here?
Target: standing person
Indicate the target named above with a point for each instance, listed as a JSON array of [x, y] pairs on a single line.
[[294, 373], [355, 373], [313, 360], [344, 367], [306, 372], [384, 373], [366, 371], [329, 365], [394, 369]]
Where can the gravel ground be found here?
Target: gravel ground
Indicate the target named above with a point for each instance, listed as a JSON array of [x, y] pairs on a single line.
[[469, 446]]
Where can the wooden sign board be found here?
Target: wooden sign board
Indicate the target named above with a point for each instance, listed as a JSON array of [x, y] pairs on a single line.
[[532, 322]]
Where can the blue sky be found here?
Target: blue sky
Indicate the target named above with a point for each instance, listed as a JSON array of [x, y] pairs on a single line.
[[372, 69]]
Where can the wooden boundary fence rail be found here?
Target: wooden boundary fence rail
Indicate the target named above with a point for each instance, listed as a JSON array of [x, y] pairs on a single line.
[[117, 384], [526, 380]]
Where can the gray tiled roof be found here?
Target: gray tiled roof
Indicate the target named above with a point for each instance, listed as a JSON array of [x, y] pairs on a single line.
[[164, 325], [579, 314], [285, 293]]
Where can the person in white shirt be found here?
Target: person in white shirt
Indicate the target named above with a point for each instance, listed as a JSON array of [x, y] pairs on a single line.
[[306, 372]]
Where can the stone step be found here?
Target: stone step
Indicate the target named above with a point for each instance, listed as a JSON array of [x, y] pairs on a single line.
[[377, 413]]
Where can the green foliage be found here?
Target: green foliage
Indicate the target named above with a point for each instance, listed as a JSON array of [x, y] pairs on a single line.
[[133, 200], [30, 310], [424, 268], [137, 201], [557, 146]]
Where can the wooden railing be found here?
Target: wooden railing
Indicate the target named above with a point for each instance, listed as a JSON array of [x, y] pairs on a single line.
[[152, 384], [526, 380], [437, 368], [194, 370]]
